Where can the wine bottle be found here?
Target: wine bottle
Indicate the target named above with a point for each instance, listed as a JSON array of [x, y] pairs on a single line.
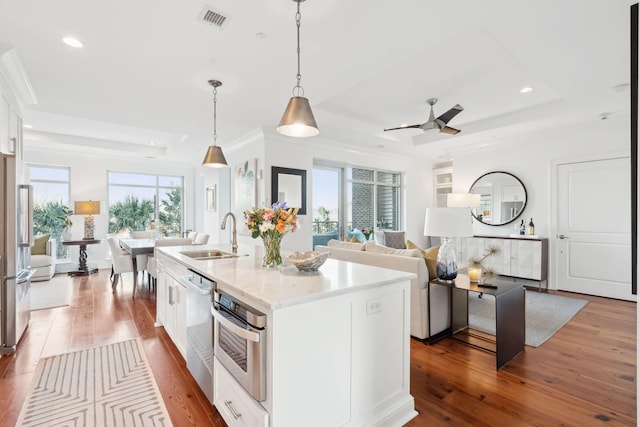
[[532, 228]]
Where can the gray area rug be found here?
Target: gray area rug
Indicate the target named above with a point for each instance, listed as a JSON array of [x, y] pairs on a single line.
[[110, 385], [545, 314], [55, 292]]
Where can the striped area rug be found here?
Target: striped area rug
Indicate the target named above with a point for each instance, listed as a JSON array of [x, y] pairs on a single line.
[[110, 385]]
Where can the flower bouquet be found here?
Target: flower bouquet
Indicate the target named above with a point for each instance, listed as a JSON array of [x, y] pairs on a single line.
[[367, 231], [271, 224]]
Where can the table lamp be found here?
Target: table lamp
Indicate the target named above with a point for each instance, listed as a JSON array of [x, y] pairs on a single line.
[[447, 223], [463, 200], [88, 209]]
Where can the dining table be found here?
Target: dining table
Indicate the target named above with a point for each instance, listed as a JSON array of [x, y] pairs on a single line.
[[137, 247]]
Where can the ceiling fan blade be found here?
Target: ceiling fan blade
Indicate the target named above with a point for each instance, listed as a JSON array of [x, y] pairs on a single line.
[[404, 127], [448, 115], [450, 131]]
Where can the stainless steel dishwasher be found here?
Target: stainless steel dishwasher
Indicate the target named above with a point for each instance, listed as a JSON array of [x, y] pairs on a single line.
[[200, 330]]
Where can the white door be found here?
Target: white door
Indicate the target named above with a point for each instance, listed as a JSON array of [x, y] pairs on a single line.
[[593, 250]]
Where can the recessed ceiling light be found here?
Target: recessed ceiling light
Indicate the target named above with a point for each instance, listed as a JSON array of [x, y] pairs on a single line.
[[261, 36], [27, 126], [73, 42], [151, 143], [526, 89]]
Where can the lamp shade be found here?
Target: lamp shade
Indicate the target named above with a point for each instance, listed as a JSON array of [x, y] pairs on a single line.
[[298, 120], [214, 158], [448, 222], [463, 200], [88, 207]]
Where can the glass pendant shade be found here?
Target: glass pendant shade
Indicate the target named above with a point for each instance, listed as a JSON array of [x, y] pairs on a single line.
[[214, 158], [298, 120]]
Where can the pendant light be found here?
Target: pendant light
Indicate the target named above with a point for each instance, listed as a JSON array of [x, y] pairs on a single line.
[[298, 119], [214, 157]]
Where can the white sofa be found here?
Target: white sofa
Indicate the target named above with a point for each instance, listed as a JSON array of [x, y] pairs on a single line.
[[428, 321], [45, 265]]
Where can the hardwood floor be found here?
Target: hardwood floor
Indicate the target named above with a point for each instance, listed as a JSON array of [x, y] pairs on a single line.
[[584, 376]]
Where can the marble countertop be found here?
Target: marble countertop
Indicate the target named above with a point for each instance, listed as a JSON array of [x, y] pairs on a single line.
[[245, 278]]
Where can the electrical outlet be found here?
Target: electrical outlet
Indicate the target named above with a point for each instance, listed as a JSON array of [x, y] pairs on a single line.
[[374, 306]]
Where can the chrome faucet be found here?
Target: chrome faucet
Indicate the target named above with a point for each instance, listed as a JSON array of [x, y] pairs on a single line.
[[234, 234]]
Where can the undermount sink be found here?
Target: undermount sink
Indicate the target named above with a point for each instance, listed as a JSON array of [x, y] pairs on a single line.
[[212, 254]]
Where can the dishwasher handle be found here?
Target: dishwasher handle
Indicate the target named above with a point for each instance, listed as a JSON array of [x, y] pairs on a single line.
[[186, 280]]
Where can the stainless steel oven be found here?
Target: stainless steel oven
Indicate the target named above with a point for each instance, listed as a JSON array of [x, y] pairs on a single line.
[[199, 330], [239, 339]]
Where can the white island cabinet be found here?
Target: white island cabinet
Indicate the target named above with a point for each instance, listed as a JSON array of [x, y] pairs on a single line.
[[338, 342]]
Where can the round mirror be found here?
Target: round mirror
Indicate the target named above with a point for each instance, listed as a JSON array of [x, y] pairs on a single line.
[[502, 198]]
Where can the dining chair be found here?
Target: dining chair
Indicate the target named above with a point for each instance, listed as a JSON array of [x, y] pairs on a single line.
[[201, 239], [152, 265], [192, 236], [145, 234], [120, 261]]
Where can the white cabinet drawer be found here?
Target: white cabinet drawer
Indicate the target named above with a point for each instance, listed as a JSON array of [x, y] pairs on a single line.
[[235, 405]]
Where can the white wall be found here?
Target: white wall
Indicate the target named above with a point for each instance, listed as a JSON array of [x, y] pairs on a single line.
[[532, 159], [89, 182], [417, 192]]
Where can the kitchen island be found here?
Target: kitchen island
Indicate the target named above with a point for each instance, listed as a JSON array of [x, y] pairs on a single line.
[[337, 340]]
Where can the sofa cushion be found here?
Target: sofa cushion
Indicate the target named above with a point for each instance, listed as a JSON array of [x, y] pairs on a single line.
[[345, 245], [41, 261], [395, 239], [430, 258], [40, 245], [374, 247]]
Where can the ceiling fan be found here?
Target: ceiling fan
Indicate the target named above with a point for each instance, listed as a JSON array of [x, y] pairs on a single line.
[[434, 122]]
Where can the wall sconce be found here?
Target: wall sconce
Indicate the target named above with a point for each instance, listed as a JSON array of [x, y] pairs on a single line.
[[88, 209]]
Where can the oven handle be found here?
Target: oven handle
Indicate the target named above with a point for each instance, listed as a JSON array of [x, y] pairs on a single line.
[[243, 333]]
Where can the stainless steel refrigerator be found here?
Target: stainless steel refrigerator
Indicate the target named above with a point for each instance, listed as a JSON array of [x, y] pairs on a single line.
[[16, 239]]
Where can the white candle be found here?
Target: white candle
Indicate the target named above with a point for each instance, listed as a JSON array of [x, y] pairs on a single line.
[[474, 273]]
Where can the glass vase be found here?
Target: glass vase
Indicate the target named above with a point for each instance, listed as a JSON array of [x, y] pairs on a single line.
[[272, 257], [446, 264]]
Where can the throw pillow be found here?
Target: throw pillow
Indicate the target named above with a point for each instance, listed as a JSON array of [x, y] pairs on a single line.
[[395, 239], [345, 245], [40, 245], [430, 258], [354, 239], [375, 248]]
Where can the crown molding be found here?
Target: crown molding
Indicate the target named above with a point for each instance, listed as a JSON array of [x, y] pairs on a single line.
[[16, 77]]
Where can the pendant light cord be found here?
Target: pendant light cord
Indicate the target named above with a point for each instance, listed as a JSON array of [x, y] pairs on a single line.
[[298, 90], [215, 101]]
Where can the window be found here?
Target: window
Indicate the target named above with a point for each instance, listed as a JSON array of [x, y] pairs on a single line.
[[374, 199], [145, 202], [50, 184], [51, 209]]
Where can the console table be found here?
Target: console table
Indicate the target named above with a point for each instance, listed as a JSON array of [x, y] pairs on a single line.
[[510, 317], [83, 269], [521, 257]]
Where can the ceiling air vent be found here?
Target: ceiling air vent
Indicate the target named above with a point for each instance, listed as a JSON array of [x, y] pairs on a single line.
[[212, 17]]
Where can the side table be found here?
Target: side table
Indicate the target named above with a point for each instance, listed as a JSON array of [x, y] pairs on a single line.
[[83, 269], [510, 315]]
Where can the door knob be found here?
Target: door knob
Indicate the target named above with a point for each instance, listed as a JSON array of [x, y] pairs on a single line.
[[562, 236]]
